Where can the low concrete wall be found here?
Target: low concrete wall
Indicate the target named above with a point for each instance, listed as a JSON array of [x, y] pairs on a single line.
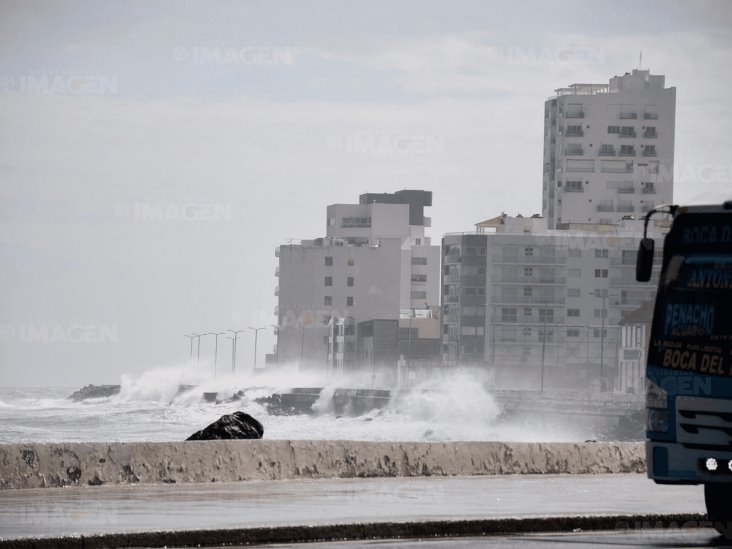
[[80, 464]]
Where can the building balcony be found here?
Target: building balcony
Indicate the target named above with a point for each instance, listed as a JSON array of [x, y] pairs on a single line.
[[626, 189], [574, 152], [277, 251], [575, 114], [607, 152], [574, 133], [627, 208], [527, 300], [451, 298], [605, 208], [628, 116], [277, 290], [628, 134], [276, 310], [650, 134], [627, 152], [651, 152], [650, 116], [530, 260], [277, 270], [528, 280], [648, 189]]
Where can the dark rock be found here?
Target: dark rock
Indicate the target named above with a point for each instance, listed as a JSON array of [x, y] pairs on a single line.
[[231, 426], [95, 391]]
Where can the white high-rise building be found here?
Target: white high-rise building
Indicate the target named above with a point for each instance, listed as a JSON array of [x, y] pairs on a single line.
[[608, 150], [374, 263]]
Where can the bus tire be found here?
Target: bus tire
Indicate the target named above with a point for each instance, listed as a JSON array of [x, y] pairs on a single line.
[[717, 498]]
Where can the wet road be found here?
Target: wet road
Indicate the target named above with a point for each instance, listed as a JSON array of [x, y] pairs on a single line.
[[691, 538], [131, 508]]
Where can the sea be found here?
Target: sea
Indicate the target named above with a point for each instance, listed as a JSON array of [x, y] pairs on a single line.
[[150, 407]]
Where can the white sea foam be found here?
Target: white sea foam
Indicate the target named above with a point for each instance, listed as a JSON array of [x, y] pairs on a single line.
[[151, 406]]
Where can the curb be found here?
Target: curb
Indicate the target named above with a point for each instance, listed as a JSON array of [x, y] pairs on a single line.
[[362, 531]]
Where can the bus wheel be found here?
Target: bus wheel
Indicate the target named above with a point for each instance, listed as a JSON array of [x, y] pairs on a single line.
[[717, 497]]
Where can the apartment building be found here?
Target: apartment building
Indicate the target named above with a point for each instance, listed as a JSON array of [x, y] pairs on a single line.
[[539, 307], [608, 149], [375, 263]]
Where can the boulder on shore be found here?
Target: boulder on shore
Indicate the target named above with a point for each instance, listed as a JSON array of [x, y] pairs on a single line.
[[238, 425]]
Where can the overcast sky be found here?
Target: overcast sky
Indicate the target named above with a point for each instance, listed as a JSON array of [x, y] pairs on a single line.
[[153, 154]]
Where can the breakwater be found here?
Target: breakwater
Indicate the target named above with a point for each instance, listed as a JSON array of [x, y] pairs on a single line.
[[38, 465]]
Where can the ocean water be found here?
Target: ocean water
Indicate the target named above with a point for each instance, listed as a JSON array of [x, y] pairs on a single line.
[[149, 408]]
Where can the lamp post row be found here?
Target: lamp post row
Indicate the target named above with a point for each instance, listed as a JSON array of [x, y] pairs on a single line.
[[234, 337]]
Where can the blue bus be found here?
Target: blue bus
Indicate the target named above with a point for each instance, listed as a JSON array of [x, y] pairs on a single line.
[[689, 364]]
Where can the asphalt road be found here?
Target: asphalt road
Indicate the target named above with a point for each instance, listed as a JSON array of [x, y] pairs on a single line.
[[149, 508], [672, 538]]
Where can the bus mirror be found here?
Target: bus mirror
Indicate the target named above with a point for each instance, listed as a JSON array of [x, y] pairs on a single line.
[[644, 262]]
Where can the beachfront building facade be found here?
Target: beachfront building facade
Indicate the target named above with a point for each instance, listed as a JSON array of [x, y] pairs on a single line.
[[608, 149], [375, 262], [540, 308]]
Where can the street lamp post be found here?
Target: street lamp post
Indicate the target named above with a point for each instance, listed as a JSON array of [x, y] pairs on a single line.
[[604, 296], [198, 347], [233, 348], [256, 334], [410, 314], [191, 337], [216, 347]]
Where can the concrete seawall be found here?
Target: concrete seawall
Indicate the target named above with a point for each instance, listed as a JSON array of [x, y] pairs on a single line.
[[79, 464]]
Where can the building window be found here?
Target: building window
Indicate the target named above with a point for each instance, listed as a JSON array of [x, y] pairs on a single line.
[[349, 281], [528, 271], [573, 312], [528, 291], [350, 262], [573, 292], [647, 187], [355, 222], [328, 260], [328, 300], [527, 331], [419, 295], [546, 315], [419, 261], [528, 252], [613, 129], [600, 273], [597, 331], [601, 252], [328, 280], [419, 278], [508, 315], [573, 332], [627, 150], [607, 150], [575, 252], [573, 187], [527, 311], [349, 301], [599, 313]]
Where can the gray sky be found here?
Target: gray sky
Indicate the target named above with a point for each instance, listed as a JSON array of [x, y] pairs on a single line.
[[153, 154]]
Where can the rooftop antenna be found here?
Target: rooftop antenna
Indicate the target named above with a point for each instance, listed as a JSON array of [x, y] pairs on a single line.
[[640, 60]]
